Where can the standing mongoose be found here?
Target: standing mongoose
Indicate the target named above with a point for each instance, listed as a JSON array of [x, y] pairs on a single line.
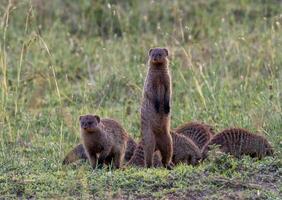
[[238, 141], [199, 132], [103, 140], [78, 152], [184, 151], [155, 108]]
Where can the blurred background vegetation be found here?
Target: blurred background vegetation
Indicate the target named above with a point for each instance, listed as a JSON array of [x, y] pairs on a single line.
[[60, 59]]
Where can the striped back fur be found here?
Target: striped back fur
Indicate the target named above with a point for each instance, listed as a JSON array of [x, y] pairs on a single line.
[[238, 141], [185, 150], [200, 133]]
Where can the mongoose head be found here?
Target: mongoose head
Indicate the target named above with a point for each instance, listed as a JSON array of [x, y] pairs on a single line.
[[269, 152], [196, 158], [89, 123], [158, 56], [268, 149], [265, 146], [188, 159]]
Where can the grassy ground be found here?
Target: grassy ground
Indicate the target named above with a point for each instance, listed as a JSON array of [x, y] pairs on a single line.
[[61, 59]]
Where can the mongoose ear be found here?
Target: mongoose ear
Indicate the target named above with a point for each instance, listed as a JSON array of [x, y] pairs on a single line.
[[166, 51], [150, 51], [80, 117], [97, 118]]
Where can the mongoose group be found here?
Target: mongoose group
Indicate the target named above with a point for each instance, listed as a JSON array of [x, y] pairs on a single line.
[[105, 141]]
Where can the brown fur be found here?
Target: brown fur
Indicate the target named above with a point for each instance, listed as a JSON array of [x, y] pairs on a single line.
[[155, 108], [138, 157], [200, 133], [238, 141], [184, 151], [75, 154], [103, 140], [130, 147], [78, 152]]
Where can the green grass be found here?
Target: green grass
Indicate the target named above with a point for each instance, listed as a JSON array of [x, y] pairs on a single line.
[[61, 59]]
